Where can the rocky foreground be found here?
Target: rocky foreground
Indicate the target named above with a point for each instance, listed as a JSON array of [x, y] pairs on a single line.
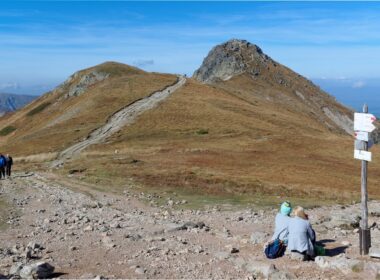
[[58, 227]]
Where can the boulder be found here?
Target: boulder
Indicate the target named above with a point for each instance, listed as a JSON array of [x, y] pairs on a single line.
[[15, 269], [140, 270], [373, 269], [374, 253], [341, 263], [33, 245], [37, 271]]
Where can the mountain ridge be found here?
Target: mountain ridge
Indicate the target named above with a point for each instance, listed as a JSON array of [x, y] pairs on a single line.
[[11, 102], [236, 57], [264, 134]]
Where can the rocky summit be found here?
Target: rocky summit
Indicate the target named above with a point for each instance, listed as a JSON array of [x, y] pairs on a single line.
[[237, 65], [230, 59]]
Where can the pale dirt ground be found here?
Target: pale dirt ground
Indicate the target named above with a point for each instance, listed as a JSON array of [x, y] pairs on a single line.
[[88, 233]]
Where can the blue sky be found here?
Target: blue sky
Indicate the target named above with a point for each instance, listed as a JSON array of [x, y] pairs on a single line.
[[42, 43]]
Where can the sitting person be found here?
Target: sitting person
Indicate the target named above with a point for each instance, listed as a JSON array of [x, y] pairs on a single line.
[[301, 237], [282, 222]]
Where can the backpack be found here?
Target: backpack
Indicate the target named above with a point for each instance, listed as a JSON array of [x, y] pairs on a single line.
[[275, 248]]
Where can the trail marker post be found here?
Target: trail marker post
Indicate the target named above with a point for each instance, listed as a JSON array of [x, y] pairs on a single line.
[[363, 127]]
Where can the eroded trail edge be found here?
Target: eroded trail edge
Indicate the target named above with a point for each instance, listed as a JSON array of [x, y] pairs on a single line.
[[120, 119]]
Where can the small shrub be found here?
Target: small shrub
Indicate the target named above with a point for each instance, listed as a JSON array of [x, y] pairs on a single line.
[[359, 267], [7, 130], [38, 109], [202, 131]]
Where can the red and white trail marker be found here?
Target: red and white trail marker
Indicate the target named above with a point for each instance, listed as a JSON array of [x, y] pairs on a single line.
[[362, 135], [363, 122]]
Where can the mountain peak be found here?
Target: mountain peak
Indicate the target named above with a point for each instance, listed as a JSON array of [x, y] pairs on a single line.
[[80, 81], [230, 59]]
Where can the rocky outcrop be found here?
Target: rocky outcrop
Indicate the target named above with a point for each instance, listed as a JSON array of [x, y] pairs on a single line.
[[230, 59], [85, 81]]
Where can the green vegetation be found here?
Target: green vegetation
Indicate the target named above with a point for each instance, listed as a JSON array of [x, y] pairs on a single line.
[[202, 131], [358, 267], [7, 130], [38, 109], [3, 213]]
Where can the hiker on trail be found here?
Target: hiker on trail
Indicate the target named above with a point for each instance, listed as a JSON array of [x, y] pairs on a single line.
[[282, 222], [8, 166], [301, 237], [2, 166]]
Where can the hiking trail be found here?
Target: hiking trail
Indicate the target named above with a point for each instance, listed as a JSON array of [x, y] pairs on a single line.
[[121, 118]]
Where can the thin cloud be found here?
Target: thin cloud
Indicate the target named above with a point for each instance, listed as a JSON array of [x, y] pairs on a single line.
[[143, 62], [9, 86], [359, 84]]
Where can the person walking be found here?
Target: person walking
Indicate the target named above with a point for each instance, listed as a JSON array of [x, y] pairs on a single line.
[[8, 166], [282, 222], [2, 166], [301, 235]]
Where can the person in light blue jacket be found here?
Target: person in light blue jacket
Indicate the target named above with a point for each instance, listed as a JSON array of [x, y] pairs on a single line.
[[282, 222], [301, 237]]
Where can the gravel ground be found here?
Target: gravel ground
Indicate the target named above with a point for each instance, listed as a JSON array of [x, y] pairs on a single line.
[[84, 233]]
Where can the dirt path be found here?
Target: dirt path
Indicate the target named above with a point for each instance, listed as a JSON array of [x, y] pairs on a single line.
[[86, 233], [121, 118]]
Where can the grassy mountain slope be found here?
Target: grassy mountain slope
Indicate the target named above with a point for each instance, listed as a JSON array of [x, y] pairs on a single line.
[[206, 140], [245, 128], [81, 104]]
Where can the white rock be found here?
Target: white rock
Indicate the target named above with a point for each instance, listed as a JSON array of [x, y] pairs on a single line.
[[140, 270], [88, 228], [374, 253], [16, 268], [37, 271]]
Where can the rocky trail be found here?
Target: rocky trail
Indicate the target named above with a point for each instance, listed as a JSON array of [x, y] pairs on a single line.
[[58, 227], [121, 118]]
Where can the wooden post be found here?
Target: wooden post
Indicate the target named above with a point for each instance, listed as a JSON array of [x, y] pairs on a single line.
[[364, 233]]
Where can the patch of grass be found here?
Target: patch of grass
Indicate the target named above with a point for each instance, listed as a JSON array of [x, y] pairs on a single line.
[[7, 130], [3, 214], [200, 190], [358, 267], [38, 109], [202, 131]]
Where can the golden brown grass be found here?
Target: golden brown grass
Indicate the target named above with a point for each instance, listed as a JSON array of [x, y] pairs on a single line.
[[238, 141], [66, 121], [253, 148]]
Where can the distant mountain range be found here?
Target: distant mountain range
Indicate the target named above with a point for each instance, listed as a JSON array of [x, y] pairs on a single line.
[[11, 102]]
